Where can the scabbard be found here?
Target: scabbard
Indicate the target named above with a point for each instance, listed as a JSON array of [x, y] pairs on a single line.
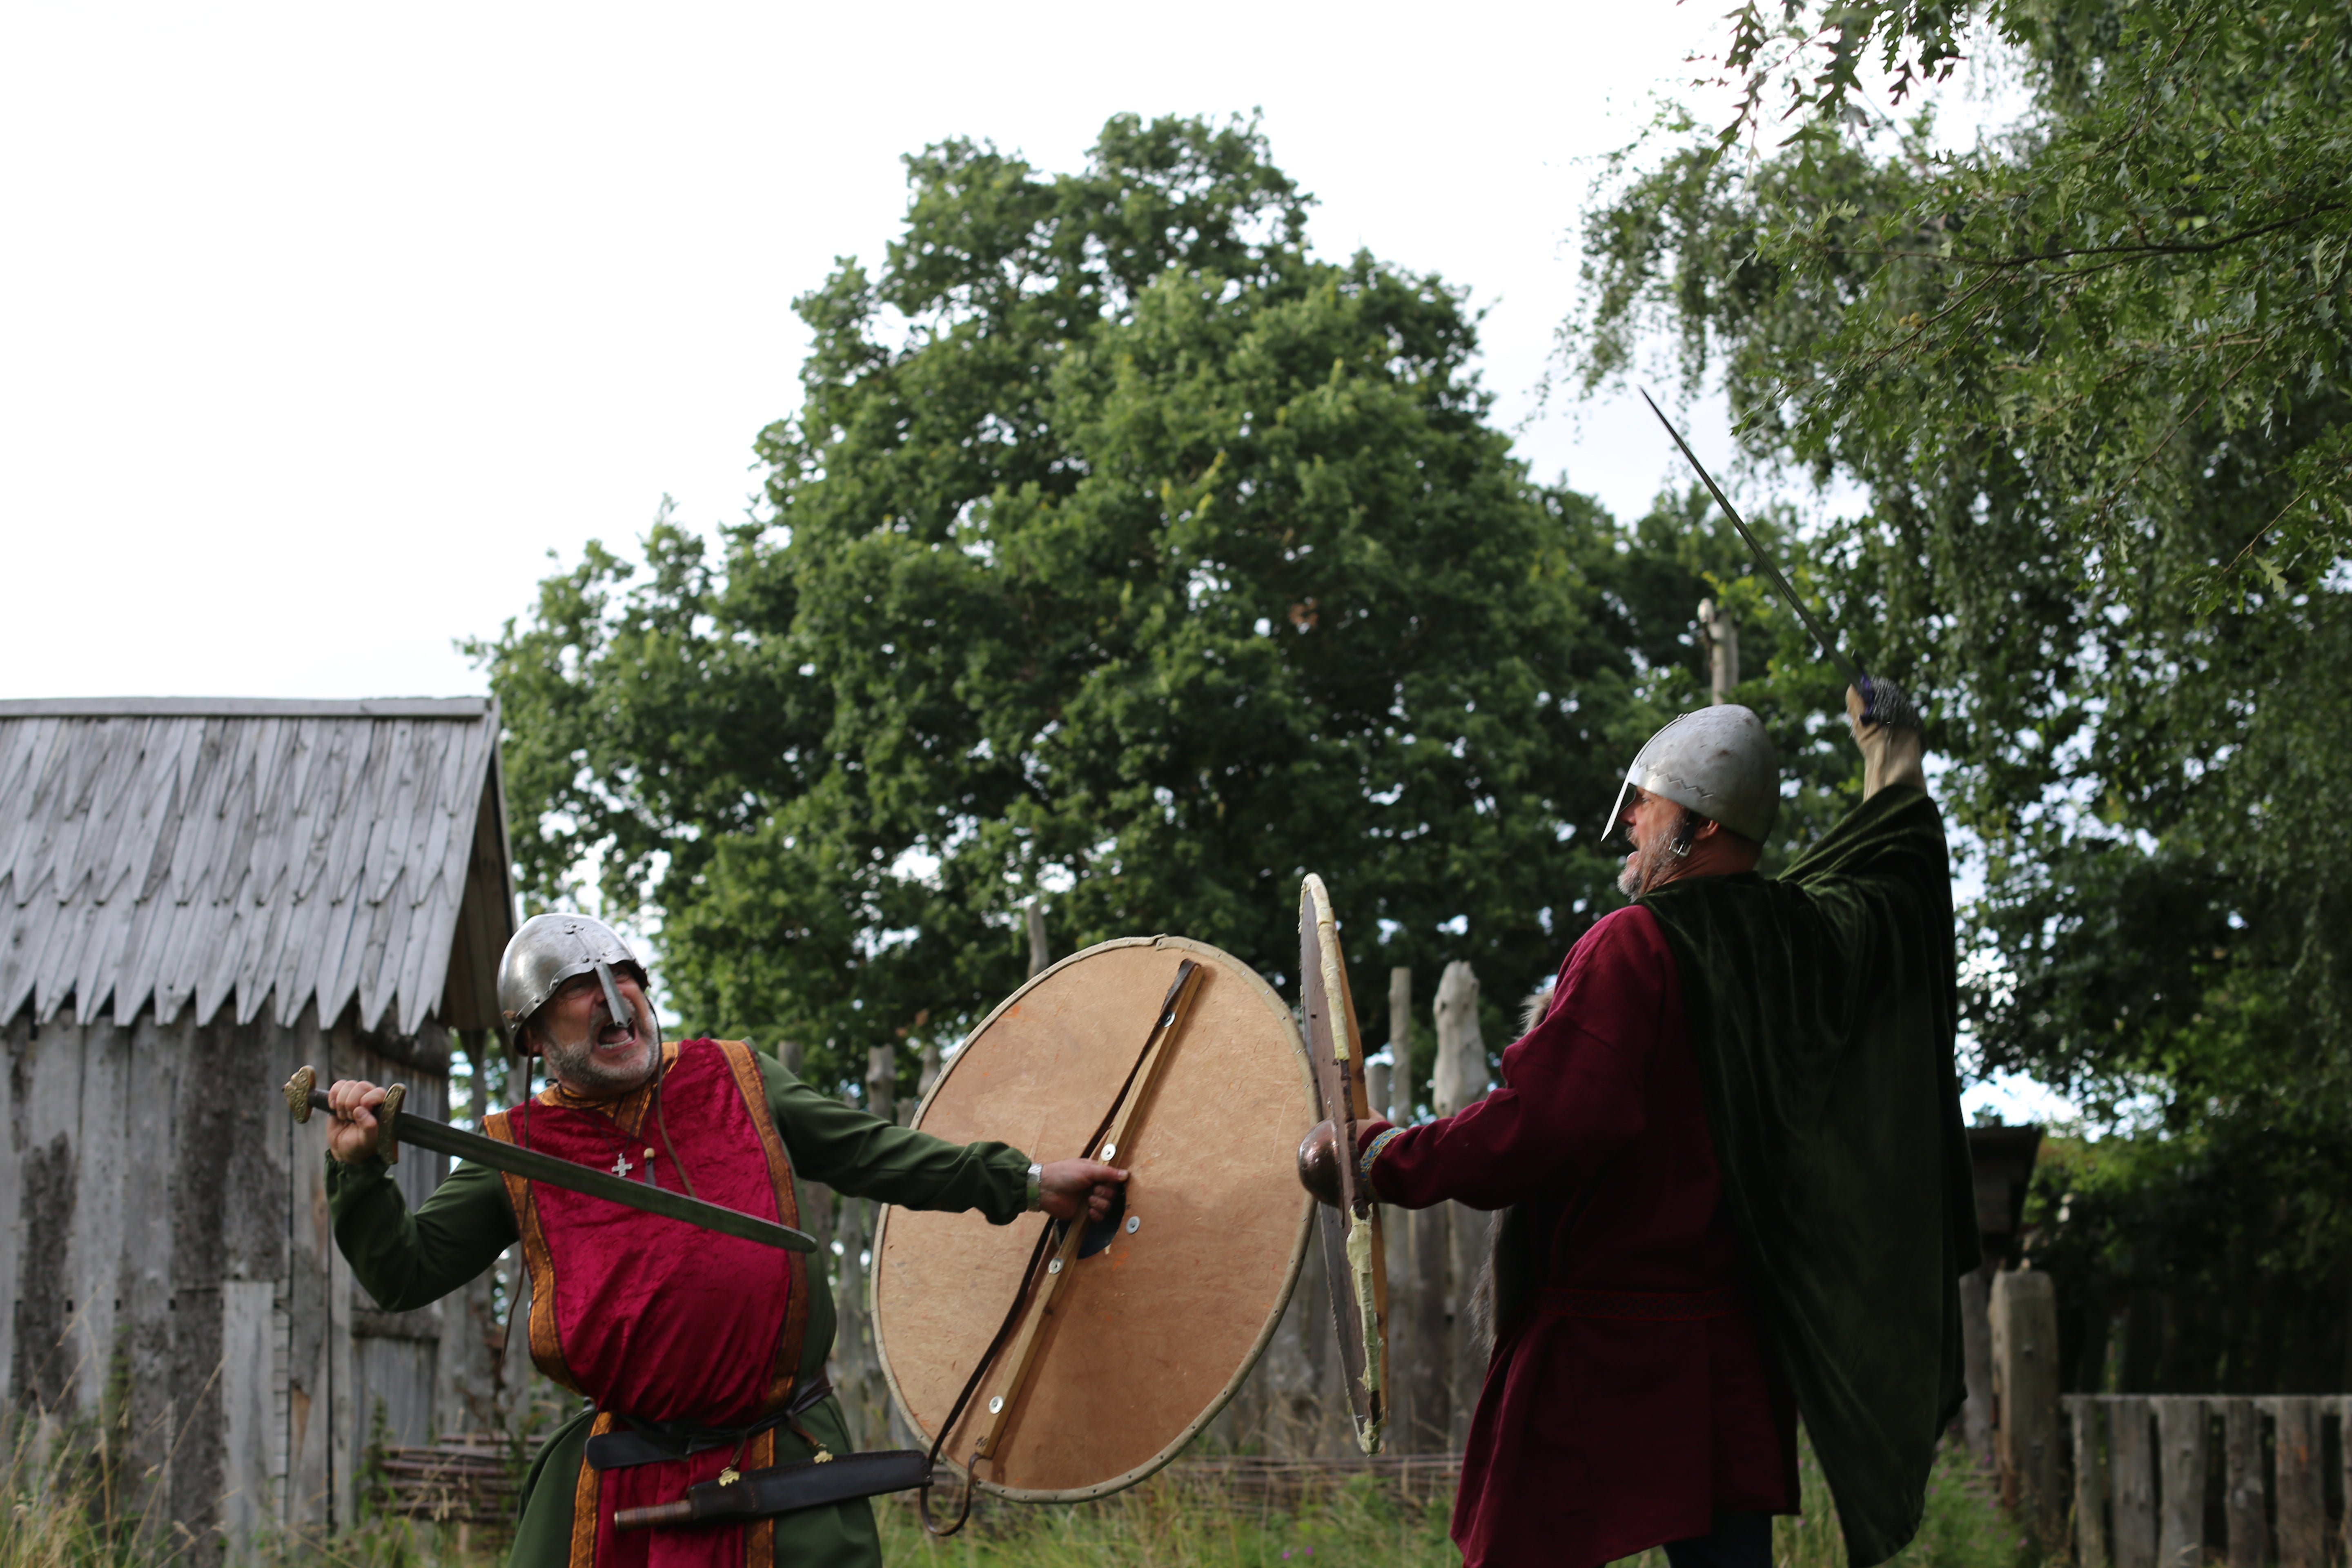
[[786, 1489]]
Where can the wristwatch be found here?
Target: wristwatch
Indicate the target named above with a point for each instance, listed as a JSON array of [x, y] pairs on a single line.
[[1036, 1186]]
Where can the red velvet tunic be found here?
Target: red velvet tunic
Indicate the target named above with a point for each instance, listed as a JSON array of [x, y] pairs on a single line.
[[657, 1319], [1634, 1401]]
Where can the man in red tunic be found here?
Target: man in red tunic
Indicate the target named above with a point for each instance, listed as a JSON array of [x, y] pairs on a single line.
[[1637, 1395], [698, 1354]]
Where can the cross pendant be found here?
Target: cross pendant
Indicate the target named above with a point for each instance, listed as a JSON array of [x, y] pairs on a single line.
[[621, 1166]]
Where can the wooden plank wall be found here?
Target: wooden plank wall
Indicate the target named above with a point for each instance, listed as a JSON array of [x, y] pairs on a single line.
[[170, 1271]]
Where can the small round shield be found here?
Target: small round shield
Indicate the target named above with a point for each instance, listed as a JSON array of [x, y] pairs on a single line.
[[1153, 1319]]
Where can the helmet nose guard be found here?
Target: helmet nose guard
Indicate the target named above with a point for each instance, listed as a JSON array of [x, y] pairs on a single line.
[[1720, 761], [550, 950]]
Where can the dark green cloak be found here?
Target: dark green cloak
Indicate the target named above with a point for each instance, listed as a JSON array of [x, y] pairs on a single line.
[[1822, 1007]]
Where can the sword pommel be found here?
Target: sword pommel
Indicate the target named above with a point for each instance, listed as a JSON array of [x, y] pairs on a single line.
[[297, 1091]]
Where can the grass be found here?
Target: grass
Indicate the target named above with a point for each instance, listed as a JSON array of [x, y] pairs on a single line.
[[67, 1500], [1176, 1523], [1172, 1523], [61, 1506]]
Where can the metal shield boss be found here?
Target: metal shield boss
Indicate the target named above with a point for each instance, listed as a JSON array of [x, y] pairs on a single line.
[[1720, 761], [1140, 1326], [1355, 1254]]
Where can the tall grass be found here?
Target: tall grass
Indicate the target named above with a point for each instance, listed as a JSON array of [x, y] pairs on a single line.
[[67, 1501], [62, 1506], [1177, 1523]]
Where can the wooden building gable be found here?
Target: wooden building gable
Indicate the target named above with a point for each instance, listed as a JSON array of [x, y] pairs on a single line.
[[179, 852]]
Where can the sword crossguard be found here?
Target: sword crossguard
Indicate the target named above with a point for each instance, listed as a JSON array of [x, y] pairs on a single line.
[[387, 1122], [297, 1091]]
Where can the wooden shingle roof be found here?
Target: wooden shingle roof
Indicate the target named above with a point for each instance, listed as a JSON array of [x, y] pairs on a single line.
[[190, 850]]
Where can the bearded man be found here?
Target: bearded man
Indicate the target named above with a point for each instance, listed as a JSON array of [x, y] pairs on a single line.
[[1735, 1179], [697, 1352]]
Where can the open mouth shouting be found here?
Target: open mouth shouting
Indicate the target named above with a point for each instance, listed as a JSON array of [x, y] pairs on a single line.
[[613, 1040]]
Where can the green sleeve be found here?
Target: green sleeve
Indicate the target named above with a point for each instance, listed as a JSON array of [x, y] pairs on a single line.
[[406, 1260], [866, 1157]]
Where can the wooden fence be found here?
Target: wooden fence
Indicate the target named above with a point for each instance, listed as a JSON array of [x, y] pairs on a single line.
[[2157, 1478]]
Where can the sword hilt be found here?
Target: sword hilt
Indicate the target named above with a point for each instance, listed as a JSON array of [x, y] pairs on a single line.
[[303, 1096]]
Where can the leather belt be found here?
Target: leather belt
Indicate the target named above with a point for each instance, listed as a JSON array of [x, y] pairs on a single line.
[[655, 1442], [1642, 1306]]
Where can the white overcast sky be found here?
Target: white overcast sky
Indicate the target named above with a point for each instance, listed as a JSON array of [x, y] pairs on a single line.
[[321, 325]]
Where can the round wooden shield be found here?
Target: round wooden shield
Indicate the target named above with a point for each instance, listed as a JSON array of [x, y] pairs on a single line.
[[1154, 1320]]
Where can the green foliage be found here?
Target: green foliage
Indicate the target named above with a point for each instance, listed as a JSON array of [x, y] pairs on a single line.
[[1124, 555], [2092, 376], [2212, 1259]]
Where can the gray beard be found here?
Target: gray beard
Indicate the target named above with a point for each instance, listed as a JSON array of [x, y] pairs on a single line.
[[575, 1064], [1651, 865]]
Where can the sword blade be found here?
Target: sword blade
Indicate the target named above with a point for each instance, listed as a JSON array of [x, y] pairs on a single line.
[[1846, 667], [529, 1163]]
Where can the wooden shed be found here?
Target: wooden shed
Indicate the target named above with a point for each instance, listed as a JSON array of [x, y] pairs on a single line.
[[197, 897]]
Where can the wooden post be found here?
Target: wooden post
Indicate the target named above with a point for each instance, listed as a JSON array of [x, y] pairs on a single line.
[[2241, 1481], [1421, 1367], [1719, 634], [1400, 1103], [1975, 1362], [1459, 1079], [2301, 1506], [2131, 1470], [2024, 1314], [1041, 957], [2344, 1449], [2180, 1423], [2089, 1479]]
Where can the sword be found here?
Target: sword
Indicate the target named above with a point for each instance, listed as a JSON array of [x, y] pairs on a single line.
[[1846, 667], [396, 1127]]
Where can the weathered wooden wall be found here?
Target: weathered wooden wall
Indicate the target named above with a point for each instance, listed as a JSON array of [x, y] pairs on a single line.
[[171, 1274]]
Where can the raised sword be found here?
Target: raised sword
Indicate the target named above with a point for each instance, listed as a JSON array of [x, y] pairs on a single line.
[[1846, 667], [395, 1127]]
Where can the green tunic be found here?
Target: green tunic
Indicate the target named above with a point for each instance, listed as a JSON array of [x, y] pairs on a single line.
[[406, 1260]]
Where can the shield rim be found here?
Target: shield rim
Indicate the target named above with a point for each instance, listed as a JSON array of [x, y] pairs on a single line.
[[1300, 1241], [1318, 910]]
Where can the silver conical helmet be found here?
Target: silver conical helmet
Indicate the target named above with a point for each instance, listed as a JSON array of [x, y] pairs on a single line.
[[550, 950], [1720, 761]]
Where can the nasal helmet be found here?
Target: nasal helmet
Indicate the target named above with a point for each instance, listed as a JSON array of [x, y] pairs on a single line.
[[550, 950], [1719, 761]]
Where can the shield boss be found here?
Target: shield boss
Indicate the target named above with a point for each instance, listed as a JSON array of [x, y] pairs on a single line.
[[1172, 1303]]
